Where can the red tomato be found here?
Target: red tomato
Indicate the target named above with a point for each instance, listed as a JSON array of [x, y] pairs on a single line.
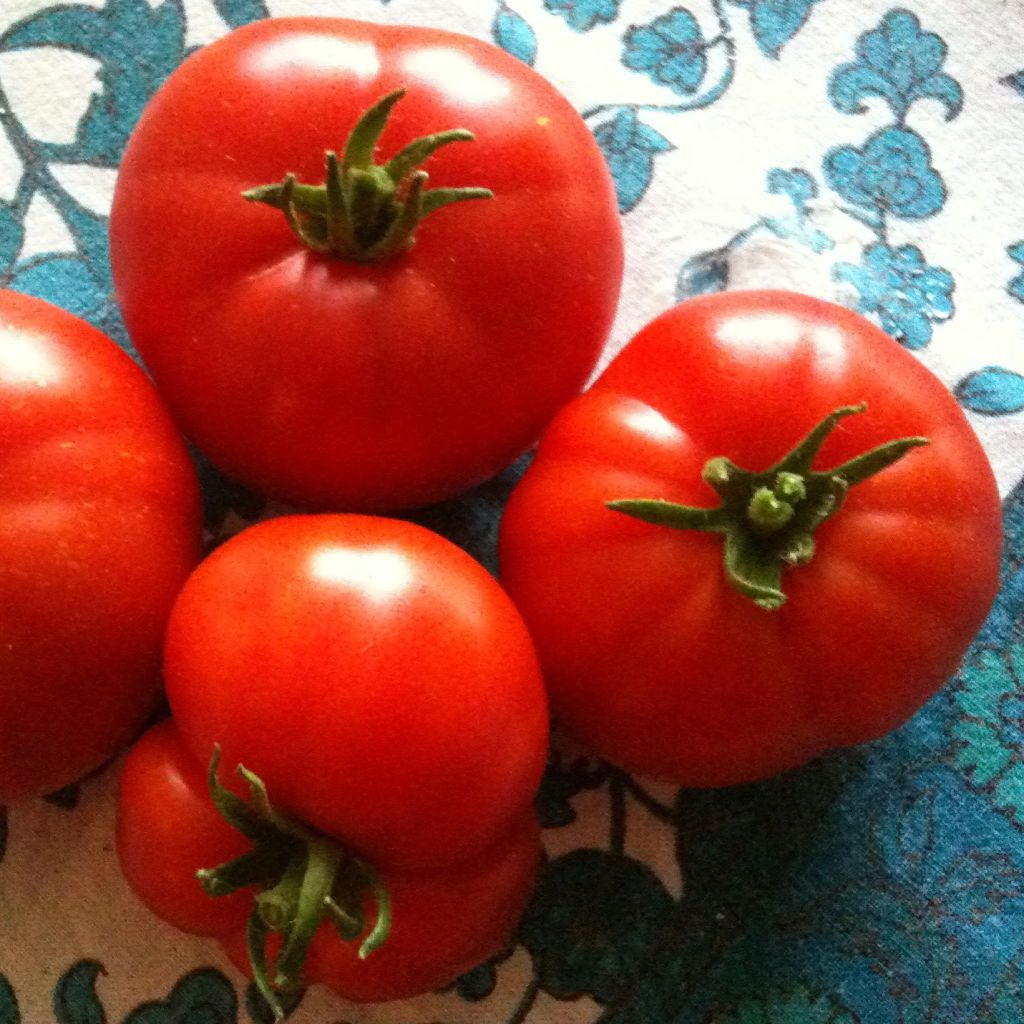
[[442, 924], [167, 829], [363, 385], [652, 656], [100, 527], [374, 676]]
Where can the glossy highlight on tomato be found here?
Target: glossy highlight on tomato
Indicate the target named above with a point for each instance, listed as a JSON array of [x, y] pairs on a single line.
[[819, 609], [376, 703], [99, 529], [332, 372]]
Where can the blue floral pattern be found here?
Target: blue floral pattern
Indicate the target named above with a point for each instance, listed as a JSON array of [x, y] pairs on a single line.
[[891, 174], [899, 63], [881, 885], [775, 22], [583, 15], [630, 147], [671, 49], [905, 293]]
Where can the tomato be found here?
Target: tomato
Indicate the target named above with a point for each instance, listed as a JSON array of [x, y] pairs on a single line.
[[342, 369], [168, 829], [100, 527], [381, 699], [366, 669], [442, 923], [671, 664]]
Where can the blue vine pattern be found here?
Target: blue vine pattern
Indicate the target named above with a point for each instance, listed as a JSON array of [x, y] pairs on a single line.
[[884, 884]]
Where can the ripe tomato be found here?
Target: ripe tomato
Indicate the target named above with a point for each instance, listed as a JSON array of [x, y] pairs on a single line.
[[100, 527], [336, 370], [670, 666], [375, 677], [442, 923]]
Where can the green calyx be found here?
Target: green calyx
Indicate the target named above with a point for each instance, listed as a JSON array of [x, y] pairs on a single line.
[[768, 519], [367, 212], [300, 877]]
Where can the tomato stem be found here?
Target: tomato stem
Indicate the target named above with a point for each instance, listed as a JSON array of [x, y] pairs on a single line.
[[302, 877], [367, 212], [768, 519]]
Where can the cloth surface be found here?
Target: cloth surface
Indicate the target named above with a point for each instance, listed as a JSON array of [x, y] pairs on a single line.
[[849, 148]]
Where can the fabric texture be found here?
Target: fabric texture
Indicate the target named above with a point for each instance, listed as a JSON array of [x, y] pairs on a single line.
[[859, 151]]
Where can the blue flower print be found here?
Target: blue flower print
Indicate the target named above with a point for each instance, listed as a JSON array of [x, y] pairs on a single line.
[[775, 22], [798, 1006], [630, 147], [899, 63], [907, 294], [583, 15], [670, 49], [1016, 285], [988, 735], [892, 173]]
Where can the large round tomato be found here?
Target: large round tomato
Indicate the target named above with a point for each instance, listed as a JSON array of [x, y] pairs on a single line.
[[442, 923], [99, 528], [798, 617], [375, 677], [362, 366]]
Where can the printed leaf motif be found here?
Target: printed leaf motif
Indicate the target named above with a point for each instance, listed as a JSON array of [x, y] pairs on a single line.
[[703, 274], [670, 50], [992, 391], [1016, 81], [583, 15], [795, 183], [1006, 1005], [203, 995], [775, 22], [988, 737], [630, 147], [592, 922], [512, 32], [9, 1012], [12, 234], [1016, 286], [978, 885], [906, 294], [892, 173], [241, 12], [137, 46], [74, 999], [899, 63], [797, 1006]]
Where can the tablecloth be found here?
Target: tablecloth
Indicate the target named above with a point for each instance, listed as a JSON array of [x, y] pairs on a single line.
[[854, 149]]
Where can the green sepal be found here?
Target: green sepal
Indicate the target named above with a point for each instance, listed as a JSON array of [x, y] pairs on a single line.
[[364, 211], [301, 877], [769, 519]]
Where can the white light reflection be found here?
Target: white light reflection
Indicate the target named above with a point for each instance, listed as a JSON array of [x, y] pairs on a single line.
[[380, 574], [26, 360], [764, 332], [650, 423], [456, 74], [325, 53]]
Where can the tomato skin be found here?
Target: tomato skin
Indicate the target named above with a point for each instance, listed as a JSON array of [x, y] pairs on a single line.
[[99, 528], [167, 829], [442, 924], [363, 387], [650, 656], [366, 669]]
